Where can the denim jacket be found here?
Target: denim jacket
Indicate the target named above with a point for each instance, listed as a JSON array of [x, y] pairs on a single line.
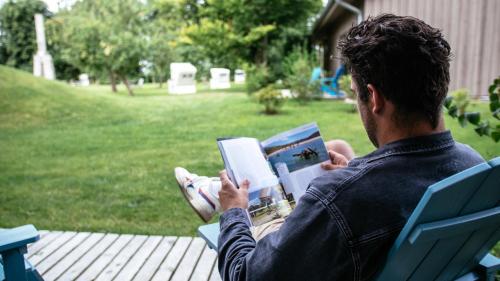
[[345, 224]]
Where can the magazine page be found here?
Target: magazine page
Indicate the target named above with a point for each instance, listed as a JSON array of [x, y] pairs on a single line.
[[244, 159], [268, 204], [296, 156]]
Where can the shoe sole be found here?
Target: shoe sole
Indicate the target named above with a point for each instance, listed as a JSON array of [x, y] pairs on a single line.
[[179, 184]]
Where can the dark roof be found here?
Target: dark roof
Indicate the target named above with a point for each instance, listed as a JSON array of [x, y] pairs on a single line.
[[330, 13]]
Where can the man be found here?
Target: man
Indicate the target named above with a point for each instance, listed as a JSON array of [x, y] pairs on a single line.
[[348, 219]]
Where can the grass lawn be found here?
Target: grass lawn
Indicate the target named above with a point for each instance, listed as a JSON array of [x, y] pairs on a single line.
[[88, 159]]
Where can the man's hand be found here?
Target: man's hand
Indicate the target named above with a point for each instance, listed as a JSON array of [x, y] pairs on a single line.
[[230, 196], [337, 161]]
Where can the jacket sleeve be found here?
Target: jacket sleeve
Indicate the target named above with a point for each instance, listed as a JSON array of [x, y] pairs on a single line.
[[308, 246]]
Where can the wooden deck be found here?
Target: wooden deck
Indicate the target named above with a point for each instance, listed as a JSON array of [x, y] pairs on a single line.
[[98, 256]]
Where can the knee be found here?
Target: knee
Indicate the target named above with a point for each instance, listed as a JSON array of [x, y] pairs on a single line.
[[340, 146]]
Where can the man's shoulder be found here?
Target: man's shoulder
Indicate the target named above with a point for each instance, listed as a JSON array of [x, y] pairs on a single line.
[[468, 153], [388, 186], [397, 162]]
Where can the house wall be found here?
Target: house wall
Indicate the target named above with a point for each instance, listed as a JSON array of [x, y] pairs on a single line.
[[471, 27], [332, 55]]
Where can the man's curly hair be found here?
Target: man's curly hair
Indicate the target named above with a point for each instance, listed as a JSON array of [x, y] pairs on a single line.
[[405, 59]]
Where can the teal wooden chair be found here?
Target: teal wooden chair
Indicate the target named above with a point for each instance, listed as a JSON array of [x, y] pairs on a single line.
[[329, 85], [449, 234], [210, 233], [13, 246]]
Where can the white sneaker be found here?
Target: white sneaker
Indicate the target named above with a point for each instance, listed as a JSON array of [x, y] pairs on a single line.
[[200, 192]]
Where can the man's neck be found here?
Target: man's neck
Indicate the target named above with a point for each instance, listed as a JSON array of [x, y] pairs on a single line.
[[393, 133]]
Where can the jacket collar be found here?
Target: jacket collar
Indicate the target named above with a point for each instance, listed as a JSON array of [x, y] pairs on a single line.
[[411, 145]]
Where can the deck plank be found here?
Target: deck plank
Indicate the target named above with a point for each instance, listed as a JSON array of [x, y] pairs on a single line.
[[169, 265], [121, 259], [33, 248], [86, 260], [204, 266], [61, 252], [102, 261], [150, 267], [71, 258], [185, 268], [215, 276], [65, 256], [139, 258], [42, 233], [43, 253]]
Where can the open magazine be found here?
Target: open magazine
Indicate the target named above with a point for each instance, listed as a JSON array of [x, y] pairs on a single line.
[[279, 169]]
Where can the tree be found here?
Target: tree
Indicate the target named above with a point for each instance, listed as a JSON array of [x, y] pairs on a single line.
[[220, 43], [17, 32], [104, 36], [164, 22], [231, 32]]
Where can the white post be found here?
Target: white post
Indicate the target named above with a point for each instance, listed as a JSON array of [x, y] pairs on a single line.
[[42, 61]]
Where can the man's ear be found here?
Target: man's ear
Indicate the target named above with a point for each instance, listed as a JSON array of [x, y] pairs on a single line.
[[376, 99]]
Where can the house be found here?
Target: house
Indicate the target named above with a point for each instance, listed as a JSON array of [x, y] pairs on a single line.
[[470, 26]]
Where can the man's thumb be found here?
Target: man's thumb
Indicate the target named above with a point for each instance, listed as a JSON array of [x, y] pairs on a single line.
[[245, 184], [327, 166], [330, 166]]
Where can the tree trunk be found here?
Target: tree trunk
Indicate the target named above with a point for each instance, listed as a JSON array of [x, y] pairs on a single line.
[[112, 79], [161, 81], [261, 57], [129, 89], [264, 50]]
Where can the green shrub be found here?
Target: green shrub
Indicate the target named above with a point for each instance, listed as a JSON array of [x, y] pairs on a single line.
[[345, 86], [271, 98], [257, 77], [461, 100], [298, 67], [456, 104]]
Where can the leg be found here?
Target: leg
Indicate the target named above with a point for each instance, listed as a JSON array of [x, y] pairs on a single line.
[[260, 231], [340, 146], [201, 192]]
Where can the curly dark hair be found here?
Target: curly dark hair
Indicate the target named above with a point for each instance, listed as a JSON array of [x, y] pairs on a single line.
[[405, 59]]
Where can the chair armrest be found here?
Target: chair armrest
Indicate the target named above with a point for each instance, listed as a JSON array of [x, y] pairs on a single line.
[[210, 233], [17, 237], [489, 266]]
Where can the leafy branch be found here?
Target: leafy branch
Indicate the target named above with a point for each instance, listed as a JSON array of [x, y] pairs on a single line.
[[457, 104]]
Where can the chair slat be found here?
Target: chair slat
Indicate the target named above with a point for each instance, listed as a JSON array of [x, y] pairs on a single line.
[[449, 235], [456, 226], [438, 260], [487, 197], [483, 250], [443, 200], [424, 203]]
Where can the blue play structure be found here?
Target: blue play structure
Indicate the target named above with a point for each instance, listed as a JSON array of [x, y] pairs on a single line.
[[449, 234], [329, 85]]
